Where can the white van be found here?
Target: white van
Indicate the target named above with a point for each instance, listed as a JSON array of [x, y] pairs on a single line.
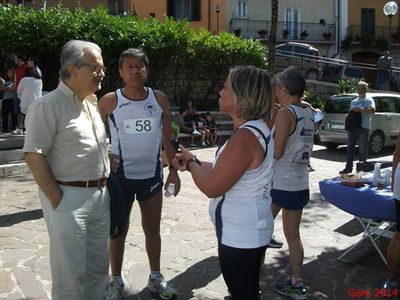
[[385, 123]]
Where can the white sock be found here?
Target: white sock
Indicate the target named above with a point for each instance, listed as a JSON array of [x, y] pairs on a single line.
[[118, 279], [297, 281], [155, 274]]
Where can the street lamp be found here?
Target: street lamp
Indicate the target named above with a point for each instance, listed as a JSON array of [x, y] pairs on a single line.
[[217, 10], [390, 9]]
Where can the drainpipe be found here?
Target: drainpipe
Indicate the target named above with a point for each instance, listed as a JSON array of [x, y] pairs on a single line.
[[209, 15], [338, 20]]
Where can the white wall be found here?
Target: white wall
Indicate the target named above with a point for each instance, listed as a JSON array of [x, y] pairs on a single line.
[[261, 9]]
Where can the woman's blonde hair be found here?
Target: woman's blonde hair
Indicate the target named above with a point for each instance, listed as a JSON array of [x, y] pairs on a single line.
[[252, 87]]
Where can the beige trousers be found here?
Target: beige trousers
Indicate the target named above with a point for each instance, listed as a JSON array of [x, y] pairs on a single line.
[[78, 230]]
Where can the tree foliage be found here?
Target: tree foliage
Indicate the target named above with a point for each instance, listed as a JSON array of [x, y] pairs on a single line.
[[175, 50]]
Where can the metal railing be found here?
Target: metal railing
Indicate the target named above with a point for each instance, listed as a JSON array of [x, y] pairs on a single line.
[[358, 32], [333, 70], [249, 29]]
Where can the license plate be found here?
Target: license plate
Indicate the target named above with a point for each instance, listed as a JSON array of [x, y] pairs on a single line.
[[336, 126]]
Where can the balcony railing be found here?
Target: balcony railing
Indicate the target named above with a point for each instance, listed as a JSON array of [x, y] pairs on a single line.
[[357, 32], [316, 32]]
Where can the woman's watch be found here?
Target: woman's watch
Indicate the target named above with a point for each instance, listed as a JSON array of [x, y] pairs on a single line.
[[192, 159]]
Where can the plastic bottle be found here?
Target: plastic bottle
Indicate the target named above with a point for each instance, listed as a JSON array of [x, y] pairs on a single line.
[[377, 174], [170, 190], [388, 176]]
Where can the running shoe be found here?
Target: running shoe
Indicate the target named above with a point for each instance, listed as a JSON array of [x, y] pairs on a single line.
[[161, 287], [291, 291], [18, 131], [273, 243], [115, 291], [389, 289], [196, 132]]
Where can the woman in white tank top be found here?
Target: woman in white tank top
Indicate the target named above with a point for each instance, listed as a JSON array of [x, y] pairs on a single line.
[[239, 181]]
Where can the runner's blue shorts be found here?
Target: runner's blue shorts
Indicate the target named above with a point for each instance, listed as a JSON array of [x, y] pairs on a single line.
[[290, 200]]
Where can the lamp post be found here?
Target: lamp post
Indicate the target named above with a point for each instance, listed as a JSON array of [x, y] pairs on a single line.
[[217, 10], [390, 9]]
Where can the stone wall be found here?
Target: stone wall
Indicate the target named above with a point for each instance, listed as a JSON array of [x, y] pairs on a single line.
[[322, 89], [205, 94]]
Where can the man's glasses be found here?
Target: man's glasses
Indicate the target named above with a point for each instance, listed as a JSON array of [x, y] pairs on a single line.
[[95, 68]]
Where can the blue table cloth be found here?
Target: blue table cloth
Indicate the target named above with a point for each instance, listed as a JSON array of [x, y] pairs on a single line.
[[364, 202]]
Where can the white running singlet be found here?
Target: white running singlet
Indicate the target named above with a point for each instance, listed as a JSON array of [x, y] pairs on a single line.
[[291, 171], [245, 212], [136, 134]]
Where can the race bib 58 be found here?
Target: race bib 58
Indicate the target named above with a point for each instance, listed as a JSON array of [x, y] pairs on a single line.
[[136, 126]]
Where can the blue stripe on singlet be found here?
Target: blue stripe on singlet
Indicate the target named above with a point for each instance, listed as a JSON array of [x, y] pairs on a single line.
[[218, 219]]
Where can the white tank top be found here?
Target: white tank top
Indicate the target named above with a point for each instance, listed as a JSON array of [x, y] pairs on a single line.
[[246, 215], [136, 134], [291, 171]]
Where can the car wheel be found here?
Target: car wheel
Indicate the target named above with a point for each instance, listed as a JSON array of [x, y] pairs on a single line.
[[331, 146], [376, 143], [312, 74]]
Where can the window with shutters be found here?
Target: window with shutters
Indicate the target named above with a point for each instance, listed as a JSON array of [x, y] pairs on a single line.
[[184, 9], [116, 7], [292, 20], [242, 9]]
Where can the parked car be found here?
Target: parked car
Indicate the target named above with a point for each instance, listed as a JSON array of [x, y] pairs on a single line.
[[332, 72], [384, 122], [303, 56]]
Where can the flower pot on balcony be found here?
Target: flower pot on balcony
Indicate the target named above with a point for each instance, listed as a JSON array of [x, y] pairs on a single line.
[[303, 34], [262, 33], [327, 35], [285, 33], [237, 32]]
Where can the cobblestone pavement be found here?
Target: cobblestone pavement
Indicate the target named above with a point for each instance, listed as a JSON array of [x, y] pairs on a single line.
[[189, 255]]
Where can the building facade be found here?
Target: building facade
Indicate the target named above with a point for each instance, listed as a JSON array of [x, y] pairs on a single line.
[[297, 21], [207, 14], [364, 35]]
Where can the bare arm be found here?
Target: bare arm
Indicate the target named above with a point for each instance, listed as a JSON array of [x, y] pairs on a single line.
[[107, 105], [2, 84], [173, 176], [369, 110], [243, 152], [310, 106], [44, 177]]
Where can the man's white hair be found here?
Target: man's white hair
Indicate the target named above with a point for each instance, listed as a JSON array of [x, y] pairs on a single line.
[[363, 83]]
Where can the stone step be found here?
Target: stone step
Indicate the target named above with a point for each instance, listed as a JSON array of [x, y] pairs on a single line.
[[11, 141], [13, 155], [13, 168]]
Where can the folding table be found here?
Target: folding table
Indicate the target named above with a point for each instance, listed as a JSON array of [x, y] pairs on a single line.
[[373, 208]]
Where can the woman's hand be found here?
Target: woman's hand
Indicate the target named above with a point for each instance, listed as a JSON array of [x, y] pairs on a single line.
[[181, 158]]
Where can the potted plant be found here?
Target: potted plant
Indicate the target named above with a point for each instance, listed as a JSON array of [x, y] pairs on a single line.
[[303, 34], [346, 42], [327, 35], [237, 31], [285, 33], [262, 33]]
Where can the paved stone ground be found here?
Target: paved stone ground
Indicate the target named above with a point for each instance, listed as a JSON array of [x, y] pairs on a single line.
[[189, 256]]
